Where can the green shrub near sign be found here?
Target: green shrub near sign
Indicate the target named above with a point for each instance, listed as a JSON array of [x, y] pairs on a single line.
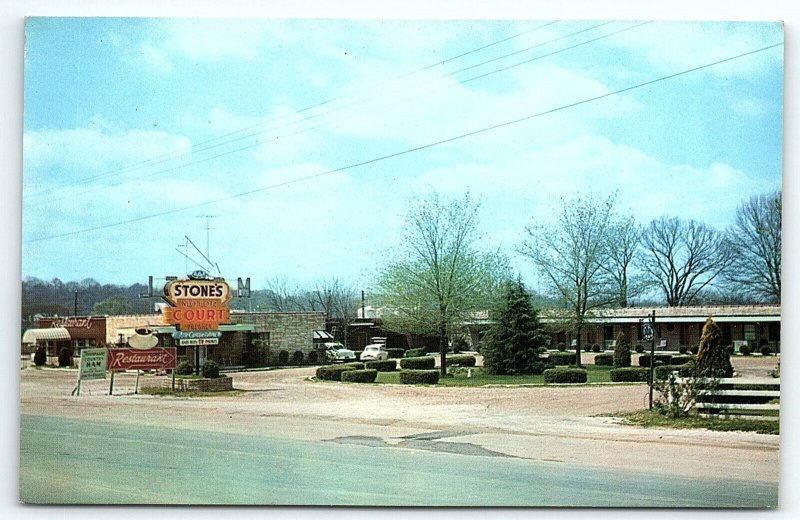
[[565, 375], [210, 370], [605, 360], [660, 359], [415, 352], [629, 375], [334, 372], [184, 368], [395, 353], [462, 360], [560, 358]]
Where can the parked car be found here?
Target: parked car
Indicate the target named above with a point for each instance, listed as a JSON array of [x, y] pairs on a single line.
[[374, 352], [337, 353]]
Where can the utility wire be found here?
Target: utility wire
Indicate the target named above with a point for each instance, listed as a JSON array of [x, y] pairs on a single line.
[[199, 147], [407, 151], [259, 143]]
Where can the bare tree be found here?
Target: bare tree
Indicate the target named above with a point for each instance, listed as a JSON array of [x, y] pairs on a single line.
[[623, 247], [570, 255], [683, 257], [440, 276], [754, 242], [336, 299], [282, 295]]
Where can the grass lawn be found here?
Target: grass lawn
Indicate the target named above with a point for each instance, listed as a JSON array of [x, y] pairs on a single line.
[[596, 374], [653, 419]]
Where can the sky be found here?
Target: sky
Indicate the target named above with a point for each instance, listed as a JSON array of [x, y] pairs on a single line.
[[307, 141]]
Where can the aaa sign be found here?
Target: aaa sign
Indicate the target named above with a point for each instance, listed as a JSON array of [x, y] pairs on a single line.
[[197, 304]]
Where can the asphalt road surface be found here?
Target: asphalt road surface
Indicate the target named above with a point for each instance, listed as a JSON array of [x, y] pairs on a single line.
[[72, 461]]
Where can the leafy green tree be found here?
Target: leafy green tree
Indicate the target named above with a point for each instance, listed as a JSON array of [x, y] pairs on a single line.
[[712, 358], [439, 277], [513, 342], [622, 351], [113, 306]]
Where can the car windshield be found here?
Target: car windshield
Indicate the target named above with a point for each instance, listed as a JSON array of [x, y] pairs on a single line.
[[371, 348]]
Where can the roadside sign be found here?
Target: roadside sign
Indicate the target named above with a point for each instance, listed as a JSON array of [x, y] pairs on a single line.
[[196, 334], [648, 332], [93, 364], [134, 359], [198, 341]]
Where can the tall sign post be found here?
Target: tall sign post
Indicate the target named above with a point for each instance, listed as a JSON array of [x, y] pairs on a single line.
[[198, 305], [649, 334]]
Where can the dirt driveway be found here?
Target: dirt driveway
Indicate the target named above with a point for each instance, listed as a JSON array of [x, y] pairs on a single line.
[[540, 423]]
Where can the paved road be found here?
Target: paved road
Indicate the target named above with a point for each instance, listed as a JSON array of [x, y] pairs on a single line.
[[73, 461]]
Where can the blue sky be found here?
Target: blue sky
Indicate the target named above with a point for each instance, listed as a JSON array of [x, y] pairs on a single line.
[[129, 118]]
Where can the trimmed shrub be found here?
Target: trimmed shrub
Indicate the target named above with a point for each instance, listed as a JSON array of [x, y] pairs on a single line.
[[418, 363], [40, 357], [604, 360], [395, 353], [184, 368], [766, 351], [596, 348], [297, 357], [565, 375], [743, 350], [415, 352], [561, 358], [695, 349], [639, 348], [359, 376], [680, 360], [683, 349], [729, 350], [562, 347], [419, 377], [712, 360], [587, 348], [334, 372], [210, 370], [386, 365], [283, 357], [629, 375], [622, 351], [312, 357], [462, 360], [65, 357], [357, 353], [663, 371], [660, 359]]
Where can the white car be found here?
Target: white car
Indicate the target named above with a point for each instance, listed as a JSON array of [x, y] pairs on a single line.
[[374, 352], [338, 354]]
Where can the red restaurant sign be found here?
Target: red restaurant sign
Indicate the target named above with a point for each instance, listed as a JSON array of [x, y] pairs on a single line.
[[135, 359]]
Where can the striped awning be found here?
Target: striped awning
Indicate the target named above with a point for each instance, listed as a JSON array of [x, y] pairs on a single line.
[[323, 334], [51, 334]]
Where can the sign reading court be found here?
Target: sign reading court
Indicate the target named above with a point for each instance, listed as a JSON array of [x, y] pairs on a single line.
[[197, 304]]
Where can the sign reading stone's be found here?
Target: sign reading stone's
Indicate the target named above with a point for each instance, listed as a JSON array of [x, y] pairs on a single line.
[[648, 332], [197, 305]]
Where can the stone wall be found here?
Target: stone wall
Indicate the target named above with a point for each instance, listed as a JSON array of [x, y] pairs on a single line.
[[289, 331]]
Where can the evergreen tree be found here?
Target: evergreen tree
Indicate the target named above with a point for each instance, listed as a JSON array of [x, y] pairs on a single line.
[[712, 359], [622, 352], [512, 345]]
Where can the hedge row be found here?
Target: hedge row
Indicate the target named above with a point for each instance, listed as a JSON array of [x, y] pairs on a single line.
[[386, 365], [565, 375], [462, 360], [334, 372], [605, 360], [395, 353], [418, 363], [419, 377], [663, 359], [629, 375], [561, 358], [415, 352], [684, 370], [681, 360], [359, 376]]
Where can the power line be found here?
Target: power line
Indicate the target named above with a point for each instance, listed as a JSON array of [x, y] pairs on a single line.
[[160, 159], [409, 150], [259, 143]]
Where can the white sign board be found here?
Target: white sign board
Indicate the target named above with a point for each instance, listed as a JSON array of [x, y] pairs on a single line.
[[93, 364], [198, 341]]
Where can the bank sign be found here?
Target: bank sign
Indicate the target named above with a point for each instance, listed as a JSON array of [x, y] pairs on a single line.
[[197, 305]]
